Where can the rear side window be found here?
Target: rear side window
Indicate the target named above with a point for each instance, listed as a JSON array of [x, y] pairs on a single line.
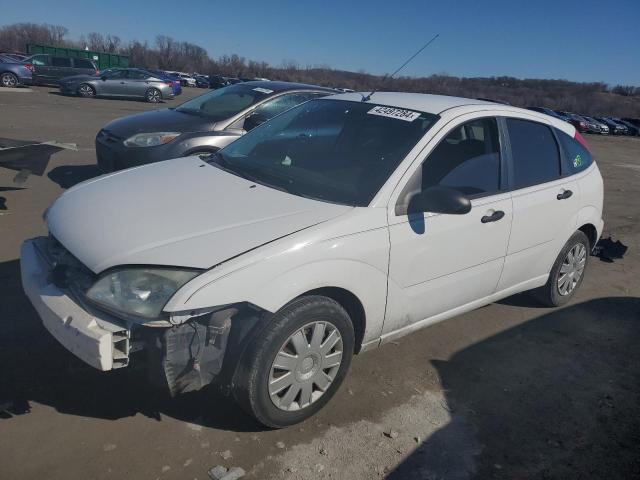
[[60, 62], [576, 157], [83, 63], [536, 158]]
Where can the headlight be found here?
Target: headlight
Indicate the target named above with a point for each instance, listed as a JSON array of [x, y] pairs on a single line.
[[141, 292], [150, 139]]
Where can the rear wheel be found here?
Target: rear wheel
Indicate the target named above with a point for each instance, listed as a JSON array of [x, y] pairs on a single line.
[[567, 272], [297, 363], [85, 90], [9, 80], [153, 95]]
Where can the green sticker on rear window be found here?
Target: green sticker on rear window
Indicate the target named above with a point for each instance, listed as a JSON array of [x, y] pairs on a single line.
[[577, 162]]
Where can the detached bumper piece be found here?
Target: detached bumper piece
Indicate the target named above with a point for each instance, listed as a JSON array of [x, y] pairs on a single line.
[[187, 357], [96, 338]]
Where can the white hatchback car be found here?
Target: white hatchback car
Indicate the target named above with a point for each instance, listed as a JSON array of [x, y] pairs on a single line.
[[333, 228]]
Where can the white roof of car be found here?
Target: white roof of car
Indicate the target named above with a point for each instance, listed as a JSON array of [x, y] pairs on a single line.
[[423, 102], [436, 104]]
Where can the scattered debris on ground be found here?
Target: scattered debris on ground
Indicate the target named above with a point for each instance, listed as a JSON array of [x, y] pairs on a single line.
[[608, 249], [221, 472]]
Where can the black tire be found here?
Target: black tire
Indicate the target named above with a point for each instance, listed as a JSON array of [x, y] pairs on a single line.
[[153, 95], [86, 91], [550, 294], [251, 382], [9, 80]]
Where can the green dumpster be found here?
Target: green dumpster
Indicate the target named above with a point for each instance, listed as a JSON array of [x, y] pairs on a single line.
[[102, 59]]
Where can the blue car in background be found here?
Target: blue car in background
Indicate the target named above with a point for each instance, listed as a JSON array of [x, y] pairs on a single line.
[[14, 72], [175, 81]]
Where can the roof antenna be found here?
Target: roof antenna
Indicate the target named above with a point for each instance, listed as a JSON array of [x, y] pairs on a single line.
[[366, 98]]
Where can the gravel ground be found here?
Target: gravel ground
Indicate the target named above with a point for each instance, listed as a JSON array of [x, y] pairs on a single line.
[[512, 390]]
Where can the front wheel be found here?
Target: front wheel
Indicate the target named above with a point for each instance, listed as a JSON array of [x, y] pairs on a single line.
[[153, 95], [297, 363], [567, 272]]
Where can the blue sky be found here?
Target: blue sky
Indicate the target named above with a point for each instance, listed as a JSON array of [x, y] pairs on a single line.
[[577, 40]]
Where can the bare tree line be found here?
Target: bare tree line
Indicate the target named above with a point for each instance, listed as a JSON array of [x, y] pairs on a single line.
[[595, 98]]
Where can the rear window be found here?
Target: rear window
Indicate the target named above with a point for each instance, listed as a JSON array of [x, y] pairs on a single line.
[[536, 158], [576, 157], [83, 63], [60, 62]]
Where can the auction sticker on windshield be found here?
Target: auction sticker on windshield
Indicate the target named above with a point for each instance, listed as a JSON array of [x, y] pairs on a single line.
[[263, 90], [399, 113]]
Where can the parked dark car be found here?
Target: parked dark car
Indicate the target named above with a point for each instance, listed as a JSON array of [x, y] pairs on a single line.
[[548, 111], [218, 81], [633, 121], [14, 72], [177, 87], [631, 128], [200, 126], [614, 127], [575, 120], [50, 69], [202, 81], [119, 82]]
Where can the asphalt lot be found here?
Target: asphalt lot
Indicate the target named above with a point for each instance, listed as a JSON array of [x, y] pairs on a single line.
[[512, 390]]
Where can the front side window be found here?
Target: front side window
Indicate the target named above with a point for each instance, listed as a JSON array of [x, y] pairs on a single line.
[[40, 60], [225, 102], [115, 74], [138, 75], [60, 62], [535, 154], [83, 63], [332, 150], [467, 159]]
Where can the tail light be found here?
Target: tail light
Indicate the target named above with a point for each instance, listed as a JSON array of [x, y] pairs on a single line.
[[97, 71], [580, 139], [30, 67]]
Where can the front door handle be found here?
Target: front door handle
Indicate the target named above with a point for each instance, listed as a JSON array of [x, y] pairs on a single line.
[[564, 195], [494, 217]]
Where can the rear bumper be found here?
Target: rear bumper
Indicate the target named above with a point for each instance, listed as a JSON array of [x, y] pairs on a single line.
[[98, 340]]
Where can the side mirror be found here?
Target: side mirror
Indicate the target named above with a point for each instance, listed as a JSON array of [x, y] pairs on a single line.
[[439, 200], [253, 120]]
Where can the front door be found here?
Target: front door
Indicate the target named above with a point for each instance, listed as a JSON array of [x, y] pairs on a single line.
[[439, 262]]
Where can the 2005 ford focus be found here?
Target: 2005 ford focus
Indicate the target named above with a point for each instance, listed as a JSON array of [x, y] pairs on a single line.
[[337, 226]]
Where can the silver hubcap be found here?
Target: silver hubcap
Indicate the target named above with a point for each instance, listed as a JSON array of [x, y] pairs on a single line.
[[9, 81], [305, 366], [86, 90], [572, 269], [153, 96]]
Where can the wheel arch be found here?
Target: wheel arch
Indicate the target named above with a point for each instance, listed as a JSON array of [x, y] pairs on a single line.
[[352, 305], [591, 232]]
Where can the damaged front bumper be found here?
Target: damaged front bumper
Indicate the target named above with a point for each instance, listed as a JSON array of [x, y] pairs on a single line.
[[98, 339], [181, 358]]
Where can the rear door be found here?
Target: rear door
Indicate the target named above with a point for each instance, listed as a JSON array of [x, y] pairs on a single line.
[[137, 83], [545, 203]]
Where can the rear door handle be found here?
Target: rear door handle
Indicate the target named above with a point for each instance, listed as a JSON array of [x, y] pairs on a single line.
[[494, 217], [564, 195]]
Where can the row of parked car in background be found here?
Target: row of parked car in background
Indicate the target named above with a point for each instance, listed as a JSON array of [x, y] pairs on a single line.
[[588, 124], [81, 76]]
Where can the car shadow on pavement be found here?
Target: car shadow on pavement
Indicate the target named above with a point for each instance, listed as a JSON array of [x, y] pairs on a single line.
[[556, 397], [35, 368], [69, 175]]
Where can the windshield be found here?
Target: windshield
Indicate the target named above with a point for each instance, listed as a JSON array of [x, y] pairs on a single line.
[[225, 102], [331, 150]]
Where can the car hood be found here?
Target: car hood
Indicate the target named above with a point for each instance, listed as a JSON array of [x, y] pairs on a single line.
[[164, 120], [180, 212]]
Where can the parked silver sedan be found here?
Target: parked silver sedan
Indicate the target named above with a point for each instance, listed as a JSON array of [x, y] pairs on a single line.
[[119, 82]]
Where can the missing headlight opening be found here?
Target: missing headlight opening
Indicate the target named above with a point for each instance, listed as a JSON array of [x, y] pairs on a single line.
[[189, 356]]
